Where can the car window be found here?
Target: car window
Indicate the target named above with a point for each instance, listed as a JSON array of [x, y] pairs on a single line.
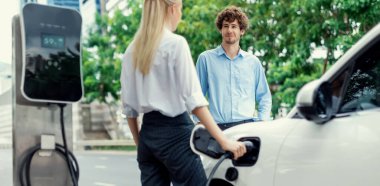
[[363, 89], [337, 86]]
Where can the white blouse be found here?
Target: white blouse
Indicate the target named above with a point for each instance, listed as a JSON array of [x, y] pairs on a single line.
[[171, 87]]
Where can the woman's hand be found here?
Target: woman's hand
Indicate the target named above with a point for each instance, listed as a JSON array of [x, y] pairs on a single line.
[[237, 148]]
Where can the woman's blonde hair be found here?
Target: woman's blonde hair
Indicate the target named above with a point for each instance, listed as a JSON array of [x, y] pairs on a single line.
[[149, 34]]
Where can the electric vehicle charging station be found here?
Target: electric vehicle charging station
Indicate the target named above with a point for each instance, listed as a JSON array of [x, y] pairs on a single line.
[[47, 68]]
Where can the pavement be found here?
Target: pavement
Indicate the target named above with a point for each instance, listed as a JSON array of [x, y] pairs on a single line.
[[97, 168]]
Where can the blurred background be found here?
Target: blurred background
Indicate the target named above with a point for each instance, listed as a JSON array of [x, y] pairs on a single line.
[[296, 41]]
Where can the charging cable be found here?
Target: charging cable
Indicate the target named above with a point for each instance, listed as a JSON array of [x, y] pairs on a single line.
[[248, 145], [74, 176], [72, 163]]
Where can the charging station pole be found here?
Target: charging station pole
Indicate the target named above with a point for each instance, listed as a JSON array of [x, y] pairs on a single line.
[[32, 121], [37, 124]]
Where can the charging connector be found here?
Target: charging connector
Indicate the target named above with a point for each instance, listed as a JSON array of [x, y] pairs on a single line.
[[228, 155]]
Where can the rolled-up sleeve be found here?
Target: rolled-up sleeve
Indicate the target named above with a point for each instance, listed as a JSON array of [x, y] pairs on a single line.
[[129, 112], [187, 79]]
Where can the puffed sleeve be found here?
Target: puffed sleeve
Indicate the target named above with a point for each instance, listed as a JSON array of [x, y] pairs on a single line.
[[186, 77], [127, 110]]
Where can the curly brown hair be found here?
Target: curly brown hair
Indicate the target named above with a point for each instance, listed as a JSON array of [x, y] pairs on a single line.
[[230, 14]]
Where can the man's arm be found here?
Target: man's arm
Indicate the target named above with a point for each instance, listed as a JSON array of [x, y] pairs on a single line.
[[263, 95], [202, 73], [203, 77]]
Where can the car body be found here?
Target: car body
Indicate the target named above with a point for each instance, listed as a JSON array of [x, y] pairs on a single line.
[[330, 138]]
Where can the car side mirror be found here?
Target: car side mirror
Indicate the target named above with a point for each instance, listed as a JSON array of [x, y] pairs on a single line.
[[314, 101]]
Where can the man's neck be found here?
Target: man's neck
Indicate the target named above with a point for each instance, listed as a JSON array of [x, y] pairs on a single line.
[[231, 50]]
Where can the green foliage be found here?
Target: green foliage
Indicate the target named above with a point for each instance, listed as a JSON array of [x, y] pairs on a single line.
[[103, 50], [286, 80], [286, 32], [282, 33]]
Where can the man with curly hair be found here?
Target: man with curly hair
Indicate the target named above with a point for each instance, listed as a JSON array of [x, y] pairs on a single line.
[[233, 79]]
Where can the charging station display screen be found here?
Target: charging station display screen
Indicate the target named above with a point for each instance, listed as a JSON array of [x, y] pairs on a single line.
[[52, 56], [52, 41]]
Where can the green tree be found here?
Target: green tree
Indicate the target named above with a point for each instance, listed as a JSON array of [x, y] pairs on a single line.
[[102, 54], [282, 33], [286, 32]]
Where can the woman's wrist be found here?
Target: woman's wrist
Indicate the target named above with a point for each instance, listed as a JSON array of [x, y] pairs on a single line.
[[223, 141]]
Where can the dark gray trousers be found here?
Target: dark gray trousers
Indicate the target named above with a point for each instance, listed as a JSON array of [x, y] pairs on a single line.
[[164, 153]]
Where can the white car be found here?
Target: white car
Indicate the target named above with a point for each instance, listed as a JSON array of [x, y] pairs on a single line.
[[331, 137]]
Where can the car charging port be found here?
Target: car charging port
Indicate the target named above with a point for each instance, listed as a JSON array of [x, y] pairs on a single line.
[[253, 149]]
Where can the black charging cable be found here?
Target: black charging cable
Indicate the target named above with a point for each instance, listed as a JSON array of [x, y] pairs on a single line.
[[249, 147], [24, 173], [74, 177], [72, 163], [224, 156]]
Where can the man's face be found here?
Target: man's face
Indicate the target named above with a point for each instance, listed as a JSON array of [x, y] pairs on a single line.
[[231, 32]]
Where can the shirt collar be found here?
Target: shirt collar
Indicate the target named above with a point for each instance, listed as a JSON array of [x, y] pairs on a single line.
[[166, 30], [220, 51]]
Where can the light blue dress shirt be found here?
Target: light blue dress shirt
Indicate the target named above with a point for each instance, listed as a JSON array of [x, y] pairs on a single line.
[[233, 86]]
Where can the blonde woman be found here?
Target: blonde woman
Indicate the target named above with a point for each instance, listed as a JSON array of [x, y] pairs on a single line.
[[158, 79]]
